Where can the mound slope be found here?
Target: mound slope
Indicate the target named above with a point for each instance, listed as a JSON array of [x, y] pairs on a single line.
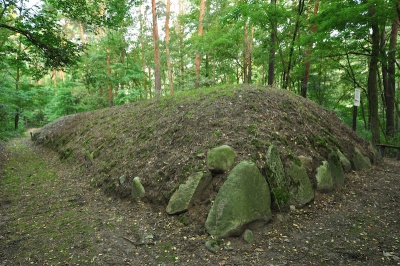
[[163, 141]]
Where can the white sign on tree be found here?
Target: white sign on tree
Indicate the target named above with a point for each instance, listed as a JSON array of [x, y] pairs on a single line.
[[357, 97]]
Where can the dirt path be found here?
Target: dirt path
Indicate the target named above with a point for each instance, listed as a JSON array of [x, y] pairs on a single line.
[[49, 217]]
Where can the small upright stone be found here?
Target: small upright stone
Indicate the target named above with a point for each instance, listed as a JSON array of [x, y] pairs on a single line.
[[360, 162], [248, 236], [137, 189], [324, 178]]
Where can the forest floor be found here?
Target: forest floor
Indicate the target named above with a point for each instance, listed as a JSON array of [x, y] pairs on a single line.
[[49, 218], [63, 202]]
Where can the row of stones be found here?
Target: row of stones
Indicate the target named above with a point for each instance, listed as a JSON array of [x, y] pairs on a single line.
[[245, 197]]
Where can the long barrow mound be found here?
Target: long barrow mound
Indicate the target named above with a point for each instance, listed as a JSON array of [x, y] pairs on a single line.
[[164, 141]]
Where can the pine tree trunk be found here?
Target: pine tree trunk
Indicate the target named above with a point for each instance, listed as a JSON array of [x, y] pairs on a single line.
[[110, 90], [271, 59], [157, 71], [286, 75], [304, 82], [245, 55], [171, 87], [142, 47], [181, 53], [82, 32], [198, 55]]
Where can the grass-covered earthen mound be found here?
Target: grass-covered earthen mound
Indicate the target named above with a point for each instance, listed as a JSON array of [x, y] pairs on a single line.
[[163, 141]]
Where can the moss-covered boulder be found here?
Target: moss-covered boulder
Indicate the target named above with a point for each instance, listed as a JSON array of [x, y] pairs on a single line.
[[324, 178], [346, 164], [220, 159], [276, 177], [188, 192], [360, 162], [137, 189], [335, 167], [300, 188], [243, 200]]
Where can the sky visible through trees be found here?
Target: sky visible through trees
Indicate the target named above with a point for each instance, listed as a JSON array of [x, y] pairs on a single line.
[[62, 57]]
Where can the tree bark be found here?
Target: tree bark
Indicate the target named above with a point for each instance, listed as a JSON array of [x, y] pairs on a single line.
[[286, 74], [304, 82], [168, 13], [181, 53], [157, 71], [82, 32], [246, 54], [110, 90], [198, 55], [142, 47], [271, 59], [391, 79], [372, 79]]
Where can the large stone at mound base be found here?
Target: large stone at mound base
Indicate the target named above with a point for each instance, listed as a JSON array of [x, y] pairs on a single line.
[[360, 162], [276, 177], [335, 167], [220, 159], [187, 193], [346, 165], [242, 200], [300, 189], [324, 178]]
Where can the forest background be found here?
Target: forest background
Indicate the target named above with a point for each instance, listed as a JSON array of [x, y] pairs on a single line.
[[60, 57]]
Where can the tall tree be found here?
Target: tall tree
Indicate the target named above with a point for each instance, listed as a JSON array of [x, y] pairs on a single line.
[[304, 82], [372, 76], [200, 33], [167, 17], [157, 71], [286, 73], [390, 90], [271, 58]]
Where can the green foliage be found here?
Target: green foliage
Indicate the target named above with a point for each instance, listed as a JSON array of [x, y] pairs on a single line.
[[65, 103]]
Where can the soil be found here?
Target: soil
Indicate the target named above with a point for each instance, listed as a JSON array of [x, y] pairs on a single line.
[[65, 212]]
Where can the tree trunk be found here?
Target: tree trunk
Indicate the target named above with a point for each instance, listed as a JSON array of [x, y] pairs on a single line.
[[391, 84], [110, 90], [17, 79], [181, 53], [372, 79], [142, 46], [198, 55], [122, 60], [271, 59], [171, 87], [157, 71], [245, 55], [304, 82], [286, 74], [82, 32]]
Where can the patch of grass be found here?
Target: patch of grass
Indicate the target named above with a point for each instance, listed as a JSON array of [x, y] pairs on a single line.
[[317, 141], [252, 129]]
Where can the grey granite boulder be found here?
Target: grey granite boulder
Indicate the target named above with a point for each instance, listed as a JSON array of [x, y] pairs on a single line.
[[243, 200], [220, 159], [324, 178], [188, 192], [300, 188], [360, 162], [276, 177]]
